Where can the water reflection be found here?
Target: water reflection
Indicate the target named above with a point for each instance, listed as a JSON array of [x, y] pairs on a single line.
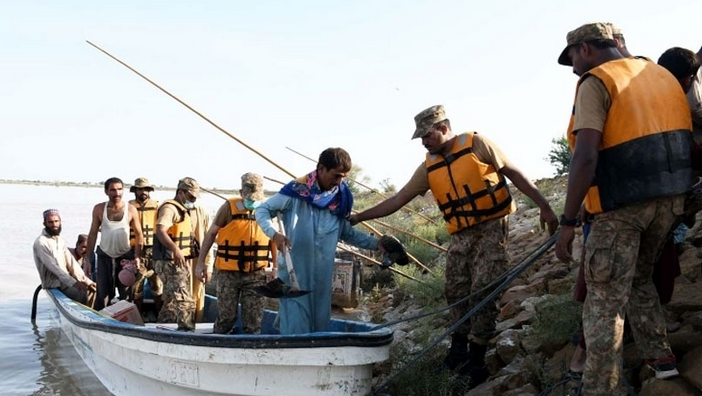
[[39, 359]]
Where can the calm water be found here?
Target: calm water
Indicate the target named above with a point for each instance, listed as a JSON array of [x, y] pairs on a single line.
[[40, 360]]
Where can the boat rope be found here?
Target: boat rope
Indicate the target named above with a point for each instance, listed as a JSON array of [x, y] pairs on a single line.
[[518, 270], [492, 284]]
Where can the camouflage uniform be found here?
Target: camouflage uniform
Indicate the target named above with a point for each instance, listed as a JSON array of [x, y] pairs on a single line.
[[233, 287], [178, 301], [476, 255], [155, 283], [621, 249]]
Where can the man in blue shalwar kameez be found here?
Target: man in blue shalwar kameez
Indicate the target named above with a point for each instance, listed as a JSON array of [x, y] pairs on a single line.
[[314, 210]]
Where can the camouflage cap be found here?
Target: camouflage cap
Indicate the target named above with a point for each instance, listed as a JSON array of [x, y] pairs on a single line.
[[190, 185], [587, 32], [427, 118], [252, 186], [141, 182]]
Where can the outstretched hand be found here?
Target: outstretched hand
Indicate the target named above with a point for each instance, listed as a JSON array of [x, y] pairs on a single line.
[[548, 220]]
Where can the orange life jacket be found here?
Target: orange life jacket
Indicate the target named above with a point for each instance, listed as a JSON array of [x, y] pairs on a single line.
[[241, 244], [180, 233], [467, 190], [645, 151], [147, 218]]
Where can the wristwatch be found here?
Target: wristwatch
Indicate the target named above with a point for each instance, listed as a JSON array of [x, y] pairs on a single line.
[[570, 222]]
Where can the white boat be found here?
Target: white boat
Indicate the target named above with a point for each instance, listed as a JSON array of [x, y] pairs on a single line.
[[151, 360]]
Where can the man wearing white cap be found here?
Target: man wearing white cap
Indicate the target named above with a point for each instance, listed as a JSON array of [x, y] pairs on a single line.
[[56, 265]]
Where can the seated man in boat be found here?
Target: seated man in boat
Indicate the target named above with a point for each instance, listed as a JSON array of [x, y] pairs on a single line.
[[57, 267], [180, 227], [314, 209], [113, 220], [242, 256], [79, 252]]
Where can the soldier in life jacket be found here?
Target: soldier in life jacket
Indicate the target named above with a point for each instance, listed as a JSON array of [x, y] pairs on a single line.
[[243, 253], [466, 174], [146, 207], [630, 134], [176, 246]]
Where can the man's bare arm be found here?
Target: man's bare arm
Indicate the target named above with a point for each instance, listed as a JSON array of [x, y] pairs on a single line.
[[547, 216], [92, 236]]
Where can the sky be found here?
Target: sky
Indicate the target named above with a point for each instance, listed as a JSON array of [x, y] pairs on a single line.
[[301, 74]]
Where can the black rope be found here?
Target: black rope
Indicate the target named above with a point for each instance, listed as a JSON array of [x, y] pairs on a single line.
[[459, 302], [34, 303], [518, 270]]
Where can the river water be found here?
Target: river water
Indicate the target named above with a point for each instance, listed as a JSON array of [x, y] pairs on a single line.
[[39, 359]]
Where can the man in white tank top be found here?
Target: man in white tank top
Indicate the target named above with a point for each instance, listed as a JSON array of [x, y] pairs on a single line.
[[113, 220]]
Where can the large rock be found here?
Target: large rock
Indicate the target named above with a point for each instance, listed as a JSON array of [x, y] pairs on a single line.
[[518, 293], [516, 374], [686, 298], [517, 321], [508, 345], [691, 368], [690, 261], [675, 387], [685, 340], [510, 310], [561, 286], [526, 390], [493, 361], [557, 365], [490, 388]]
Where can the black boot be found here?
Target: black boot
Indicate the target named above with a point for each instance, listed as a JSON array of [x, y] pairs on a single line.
[[475, 368], [458, 353]]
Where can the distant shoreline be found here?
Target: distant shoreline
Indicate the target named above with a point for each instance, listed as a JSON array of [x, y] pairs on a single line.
[[100, 185]]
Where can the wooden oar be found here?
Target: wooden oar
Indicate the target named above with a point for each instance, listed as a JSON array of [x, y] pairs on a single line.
[[409, 210], [194, 111], [214, 193]]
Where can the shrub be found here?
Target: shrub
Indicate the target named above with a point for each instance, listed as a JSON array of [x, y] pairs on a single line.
[[560, 155]]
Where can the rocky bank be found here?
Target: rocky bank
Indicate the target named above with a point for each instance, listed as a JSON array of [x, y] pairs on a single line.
[[538, 316]]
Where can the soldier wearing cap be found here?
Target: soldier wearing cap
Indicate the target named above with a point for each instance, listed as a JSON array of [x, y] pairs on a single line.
[[243, 253], [146, 207], [631, 168], [466, 174], [180, 228]]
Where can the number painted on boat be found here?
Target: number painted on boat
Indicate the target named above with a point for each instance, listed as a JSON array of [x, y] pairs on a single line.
[[184, 373]]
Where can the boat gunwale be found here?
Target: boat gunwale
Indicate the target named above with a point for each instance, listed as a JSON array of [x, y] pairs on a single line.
[[374, 338]]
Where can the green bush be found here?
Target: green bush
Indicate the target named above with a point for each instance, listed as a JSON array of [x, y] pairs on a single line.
[[429, 294], [556, 320]]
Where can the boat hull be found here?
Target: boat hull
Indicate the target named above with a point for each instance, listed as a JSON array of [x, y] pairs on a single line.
[[128, 358]]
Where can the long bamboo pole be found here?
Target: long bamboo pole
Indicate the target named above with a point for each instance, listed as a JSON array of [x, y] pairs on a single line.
[[195, 111], [428, 242], [337, 245], [409, 210], [376, 262]]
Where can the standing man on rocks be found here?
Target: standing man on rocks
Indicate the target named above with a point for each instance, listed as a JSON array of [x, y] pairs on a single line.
[[146, 207], [113, 219], [242, 256], [466, 174], [631, 141], [178, 223]]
